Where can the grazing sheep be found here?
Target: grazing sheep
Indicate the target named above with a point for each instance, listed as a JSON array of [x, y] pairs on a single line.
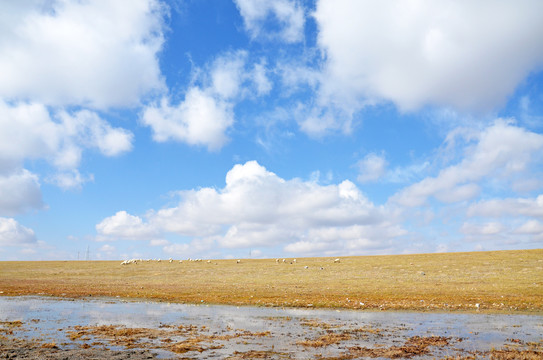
[[284, 260], [209, 261], [336, 261], [306, 267], [277, 261], [131, 261], [238, 261], [294, 261]]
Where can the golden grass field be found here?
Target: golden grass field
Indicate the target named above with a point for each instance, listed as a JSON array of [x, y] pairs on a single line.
[[499, 281]]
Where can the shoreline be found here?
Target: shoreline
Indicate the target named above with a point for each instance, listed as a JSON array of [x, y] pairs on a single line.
[[282, 307]]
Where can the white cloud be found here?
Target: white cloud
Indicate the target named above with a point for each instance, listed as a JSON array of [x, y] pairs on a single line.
[[201, 119], [371, 168], [20, 192], [510, 206], [502, 150], [29, 131], [258, 208], [86, 129], [463, 54], [98, 53], [227, 74], [26, 131], [178, 250], [207, 111], [262, 82], [288, 15], [490, 228], [159, 242], [402, 174], [69, 179], [13, 233], [107, 248], [124, 226], [317, 120], [530, 227]]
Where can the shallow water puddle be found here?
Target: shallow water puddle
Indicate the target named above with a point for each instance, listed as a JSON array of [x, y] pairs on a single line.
[[201, 331]]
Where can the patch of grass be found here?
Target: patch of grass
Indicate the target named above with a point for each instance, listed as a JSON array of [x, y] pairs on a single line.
[[499, 281], [326, 340]]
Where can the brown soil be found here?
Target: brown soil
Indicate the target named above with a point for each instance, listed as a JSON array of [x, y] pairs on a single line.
[[22, 349], [498, 281]]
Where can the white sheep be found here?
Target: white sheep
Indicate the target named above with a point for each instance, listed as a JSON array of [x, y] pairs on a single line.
[[294, 261], [238, 261], [277, 261], [284, 260], [131, 261], [336, 261]]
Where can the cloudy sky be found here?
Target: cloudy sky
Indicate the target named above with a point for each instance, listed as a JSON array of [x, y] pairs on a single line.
[[220, 129]]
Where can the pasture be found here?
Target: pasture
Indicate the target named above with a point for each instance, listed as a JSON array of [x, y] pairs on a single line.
[[499, 281]]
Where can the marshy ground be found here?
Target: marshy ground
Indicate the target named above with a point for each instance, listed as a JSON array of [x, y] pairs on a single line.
[[49, 328]]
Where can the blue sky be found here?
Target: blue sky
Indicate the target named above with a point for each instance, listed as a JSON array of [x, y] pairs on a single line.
[[227, 129]]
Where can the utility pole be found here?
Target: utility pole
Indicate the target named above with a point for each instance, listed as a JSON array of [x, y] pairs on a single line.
[[87, 255]]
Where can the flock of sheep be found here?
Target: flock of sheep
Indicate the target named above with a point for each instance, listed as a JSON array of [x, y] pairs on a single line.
[[135, 261]]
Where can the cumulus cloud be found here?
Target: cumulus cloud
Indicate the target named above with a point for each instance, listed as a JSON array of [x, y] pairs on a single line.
[[201, 119], [501, 150], [258, 208], [462, 54], [20, 192], [371, 168], [268, 19], [125, 226], [97, 53], [227, 74], [13, 233], [30, 131], [207, 111]]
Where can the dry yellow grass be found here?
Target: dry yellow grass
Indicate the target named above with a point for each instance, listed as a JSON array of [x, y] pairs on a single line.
[[497, 281]]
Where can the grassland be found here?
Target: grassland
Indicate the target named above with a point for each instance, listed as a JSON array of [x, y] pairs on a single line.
[[500, 281]]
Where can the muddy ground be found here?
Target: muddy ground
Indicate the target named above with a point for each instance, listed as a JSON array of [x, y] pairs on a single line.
[[44, 328], [414, 347]]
